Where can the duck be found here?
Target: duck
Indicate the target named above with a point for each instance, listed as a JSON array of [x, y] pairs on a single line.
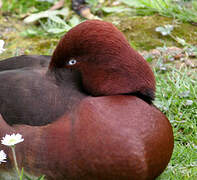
[[86, 112]]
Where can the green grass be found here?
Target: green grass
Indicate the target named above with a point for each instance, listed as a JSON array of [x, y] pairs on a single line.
[[167, 8], [174, 89], [24, 6]]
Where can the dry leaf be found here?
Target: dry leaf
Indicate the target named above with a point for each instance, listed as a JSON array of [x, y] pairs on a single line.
[[189, 63], [57, 5], [86, 13]]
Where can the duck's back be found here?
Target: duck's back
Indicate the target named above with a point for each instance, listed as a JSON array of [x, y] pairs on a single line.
[[24, 61]]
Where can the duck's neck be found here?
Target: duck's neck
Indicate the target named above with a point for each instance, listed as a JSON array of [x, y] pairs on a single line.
[[149, 97], [116, 83], [100, 81], [55, 74]]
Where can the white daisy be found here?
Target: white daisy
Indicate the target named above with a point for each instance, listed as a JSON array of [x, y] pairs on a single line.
[[11, 140], [2, 156], [1, 46]]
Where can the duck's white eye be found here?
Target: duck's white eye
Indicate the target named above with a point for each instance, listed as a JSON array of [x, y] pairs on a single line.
[[72, 62]]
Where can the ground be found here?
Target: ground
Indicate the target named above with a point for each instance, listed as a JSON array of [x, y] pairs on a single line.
[[174, 64]]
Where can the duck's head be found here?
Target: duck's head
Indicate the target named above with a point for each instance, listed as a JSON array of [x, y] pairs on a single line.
[[107, 63]]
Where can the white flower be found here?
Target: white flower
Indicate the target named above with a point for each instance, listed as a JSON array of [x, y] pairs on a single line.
[[2, 156], [11, 140], [1, 46], [165, 30]]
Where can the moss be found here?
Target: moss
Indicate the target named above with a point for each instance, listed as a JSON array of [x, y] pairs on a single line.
[[16, 44], [140, 31]]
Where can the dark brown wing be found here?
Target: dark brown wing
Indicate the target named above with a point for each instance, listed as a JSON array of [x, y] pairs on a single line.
[[24, 61], [29, 96]]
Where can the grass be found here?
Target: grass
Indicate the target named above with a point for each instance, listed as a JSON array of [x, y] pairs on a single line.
[[19, 7], [166, 8], [176, 97]]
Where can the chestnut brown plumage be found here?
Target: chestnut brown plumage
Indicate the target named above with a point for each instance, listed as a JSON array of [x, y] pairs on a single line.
[[90, 114]]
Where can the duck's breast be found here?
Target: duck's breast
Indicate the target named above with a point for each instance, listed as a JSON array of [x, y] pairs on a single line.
[[121, 137], [112, 137]]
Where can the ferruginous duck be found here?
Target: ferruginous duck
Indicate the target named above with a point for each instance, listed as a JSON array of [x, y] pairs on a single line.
[[89, 115]]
